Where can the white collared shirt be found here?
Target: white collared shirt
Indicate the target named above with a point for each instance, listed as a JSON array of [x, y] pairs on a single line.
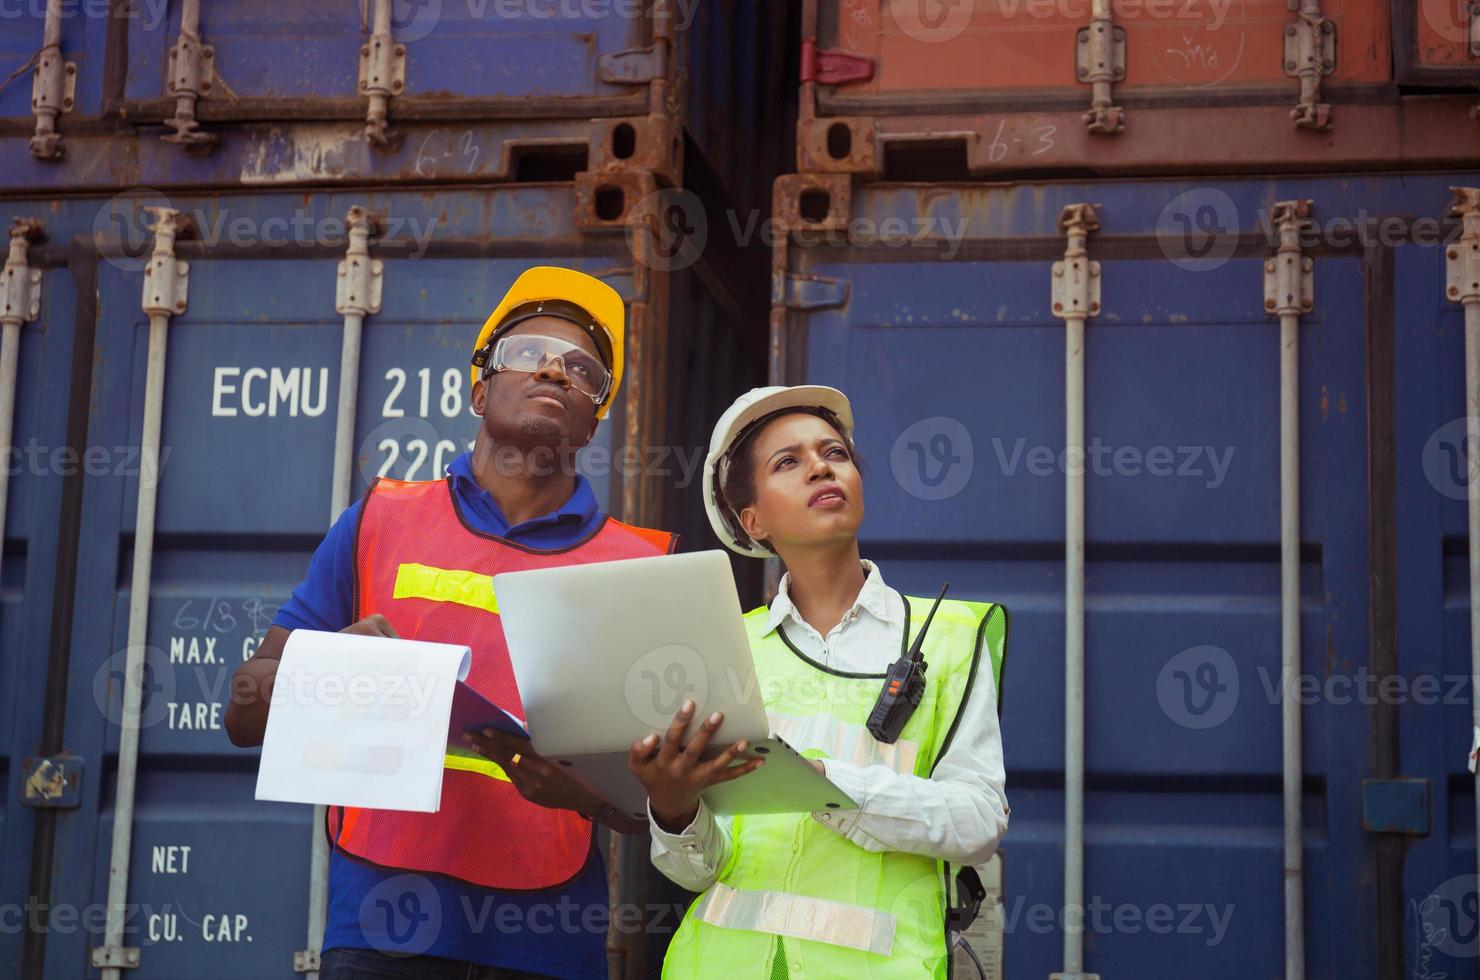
[[959, 814]]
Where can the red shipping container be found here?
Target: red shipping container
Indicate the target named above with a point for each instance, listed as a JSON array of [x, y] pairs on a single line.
[[940, 90]]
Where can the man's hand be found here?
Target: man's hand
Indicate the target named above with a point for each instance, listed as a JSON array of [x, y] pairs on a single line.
[[536, 778], [252, 684], [673, 772], [372, 625]]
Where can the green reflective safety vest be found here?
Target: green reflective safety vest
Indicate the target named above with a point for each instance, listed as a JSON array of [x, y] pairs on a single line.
[[796, 899]]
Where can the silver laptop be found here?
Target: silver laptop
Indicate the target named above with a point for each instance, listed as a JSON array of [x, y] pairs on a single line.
[[604, 655]]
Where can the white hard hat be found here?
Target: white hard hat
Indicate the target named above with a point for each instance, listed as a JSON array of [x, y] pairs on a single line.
[[755, 404]]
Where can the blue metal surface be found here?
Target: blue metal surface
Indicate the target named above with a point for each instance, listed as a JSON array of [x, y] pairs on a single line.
[[1433, 582], [284, 50], [220, 881], [38, 465], [956, 365]]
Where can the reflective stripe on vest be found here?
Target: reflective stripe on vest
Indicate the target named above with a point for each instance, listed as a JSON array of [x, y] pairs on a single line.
[[796, 888], [854, 926], [418, 564]]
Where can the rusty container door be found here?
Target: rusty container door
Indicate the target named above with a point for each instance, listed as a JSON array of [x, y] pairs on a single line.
[[1437, 42], [915, 90]]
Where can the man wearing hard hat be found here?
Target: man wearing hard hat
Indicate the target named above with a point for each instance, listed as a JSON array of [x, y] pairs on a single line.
[[504, 880]]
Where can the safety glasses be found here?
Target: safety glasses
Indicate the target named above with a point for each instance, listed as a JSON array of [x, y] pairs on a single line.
[[531, 352]]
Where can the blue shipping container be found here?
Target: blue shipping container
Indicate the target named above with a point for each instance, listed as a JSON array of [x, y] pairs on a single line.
[[931, 305], [250, 390]]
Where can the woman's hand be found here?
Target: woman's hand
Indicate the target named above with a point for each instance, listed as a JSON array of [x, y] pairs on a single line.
[[536, 779], [674, 773]]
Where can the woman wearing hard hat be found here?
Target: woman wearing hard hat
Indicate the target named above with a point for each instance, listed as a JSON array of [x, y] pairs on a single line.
[[860, 892]]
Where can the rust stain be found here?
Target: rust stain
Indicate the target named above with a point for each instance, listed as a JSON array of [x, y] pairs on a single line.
[[1325, 403]]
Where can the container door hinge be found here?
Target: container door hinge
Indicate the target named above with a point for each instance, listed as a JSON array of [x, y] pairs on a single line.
[[192, 73], [1289, 277], [53, 92], [834, 67], [361, 280], [21, 296], [382, 74], [166, 278], [306, 961], [1462, 258], [635, 66], [1310, 54], [1395, 806], [1099, 61], [1076, 279], [52, 783], [814, 292]]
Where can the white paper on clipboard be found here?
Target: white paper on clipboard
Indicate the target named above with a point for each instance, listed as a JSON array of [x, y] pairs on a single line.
[[360, 721]]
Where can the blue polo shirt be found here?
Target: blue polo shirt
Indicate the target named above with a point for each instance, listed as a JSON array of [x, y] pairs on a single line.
[[558, 932]]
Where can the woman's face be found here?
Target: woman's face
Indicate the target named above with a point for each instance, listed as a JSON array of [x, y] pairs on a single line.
[[807, 489]]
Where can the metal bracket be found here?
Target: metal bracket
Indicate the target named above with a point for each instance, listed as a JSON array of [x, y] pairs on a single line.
[[306, 961], [834, 67], [361, 280], [117, 957], [192, 72], [1289, 277], [52, 783], [1395, 806], [21, 295], [382, 75], [53, 93], [1310, 54], [1462, 259], [166, 278], [815, 292], [1099, 61], [635, 66], [1076, 279]]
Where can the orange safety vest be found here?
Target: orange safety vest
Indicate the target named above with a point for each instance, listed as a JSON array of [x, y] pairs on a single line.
[[419, 564]]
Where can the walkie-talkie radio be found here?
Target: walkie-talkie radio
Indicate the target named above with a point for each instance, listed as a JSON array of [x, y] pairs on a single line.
[[904, 686]]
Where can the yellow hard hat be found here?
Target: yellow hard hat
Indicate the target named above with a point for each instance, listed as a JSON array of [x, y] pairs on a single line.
[[548, 282]]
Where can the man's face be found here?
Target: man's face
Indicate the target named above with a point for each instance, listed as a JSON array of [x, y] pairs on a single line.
[[539, 408]]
